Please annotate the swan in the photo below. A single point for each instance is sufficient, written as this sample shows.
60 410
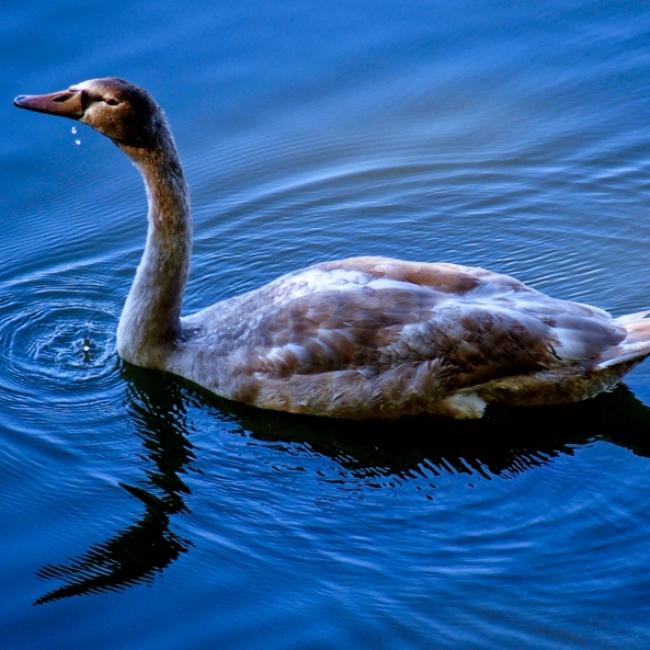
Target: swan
360 338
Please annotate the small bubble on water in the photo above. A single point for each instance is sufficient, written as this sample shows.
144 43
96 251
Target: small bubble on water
77 141
73 130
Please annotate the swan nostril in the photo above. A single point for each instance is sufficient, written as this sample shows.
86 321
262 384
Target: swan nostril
59 99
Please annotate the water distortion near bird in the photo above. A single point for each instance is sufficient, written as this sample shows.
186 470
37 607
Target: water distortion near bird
366 337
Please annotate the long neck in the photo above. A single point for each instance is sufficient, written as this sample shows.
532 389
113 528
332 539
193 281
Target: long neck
150 321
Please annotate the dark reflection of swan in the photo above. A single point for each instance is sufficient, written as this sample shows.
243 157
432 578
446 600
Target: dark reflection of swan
507 443
149 545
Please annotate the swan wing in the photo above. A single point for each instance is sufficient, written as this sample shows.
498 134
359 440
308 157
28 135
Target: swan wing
371 315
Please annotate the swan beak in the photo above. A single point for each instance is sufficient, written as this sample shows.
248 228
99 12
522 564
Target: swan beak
67 103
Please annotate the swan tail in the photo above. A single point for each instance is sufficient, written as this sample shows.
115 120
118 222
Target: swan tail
634 347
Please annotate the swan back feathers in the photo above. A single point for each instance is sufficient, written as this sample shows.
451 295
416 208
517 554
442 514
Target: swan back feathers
424 330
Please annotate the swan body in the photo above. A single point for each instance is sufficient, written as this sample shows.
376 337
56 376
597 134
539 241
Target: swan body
366 337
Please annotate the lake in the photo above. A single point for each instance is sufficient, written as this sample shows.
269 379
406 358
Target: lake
140 512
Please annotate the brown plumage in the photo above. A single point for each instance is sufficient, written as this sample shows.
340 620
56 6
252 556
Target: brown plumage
367 337
377 337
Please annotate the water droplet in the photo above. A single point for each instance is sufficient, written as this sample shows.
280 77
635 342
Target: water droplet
73 130
77 141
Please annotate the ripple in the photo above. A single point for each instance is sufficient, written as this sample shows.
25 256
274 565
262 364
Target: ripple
61 344
58 339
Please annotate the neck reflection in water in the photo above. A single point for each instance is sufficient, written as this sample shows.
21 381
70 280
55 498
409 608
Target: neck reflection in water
382 454
157 406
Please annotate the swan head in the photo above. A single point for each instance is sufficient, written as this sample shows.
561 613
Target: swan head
120 110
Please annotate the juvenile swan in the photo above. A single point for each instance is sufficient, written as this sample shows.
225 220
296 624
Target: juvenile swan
366 337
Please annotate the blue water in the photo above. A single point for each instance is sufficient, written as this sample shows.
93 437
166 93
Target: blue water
139 512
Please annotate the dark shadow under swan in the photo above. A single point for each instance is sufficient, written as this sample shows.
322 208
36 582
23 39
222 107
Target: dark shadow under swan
506 443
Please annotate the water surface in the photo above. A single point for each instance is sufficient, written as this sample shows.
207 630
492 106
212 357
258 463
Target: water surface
140 512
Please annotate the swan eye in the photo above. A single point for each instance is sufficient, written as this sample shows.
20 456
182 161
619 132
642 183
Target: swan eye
112 101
